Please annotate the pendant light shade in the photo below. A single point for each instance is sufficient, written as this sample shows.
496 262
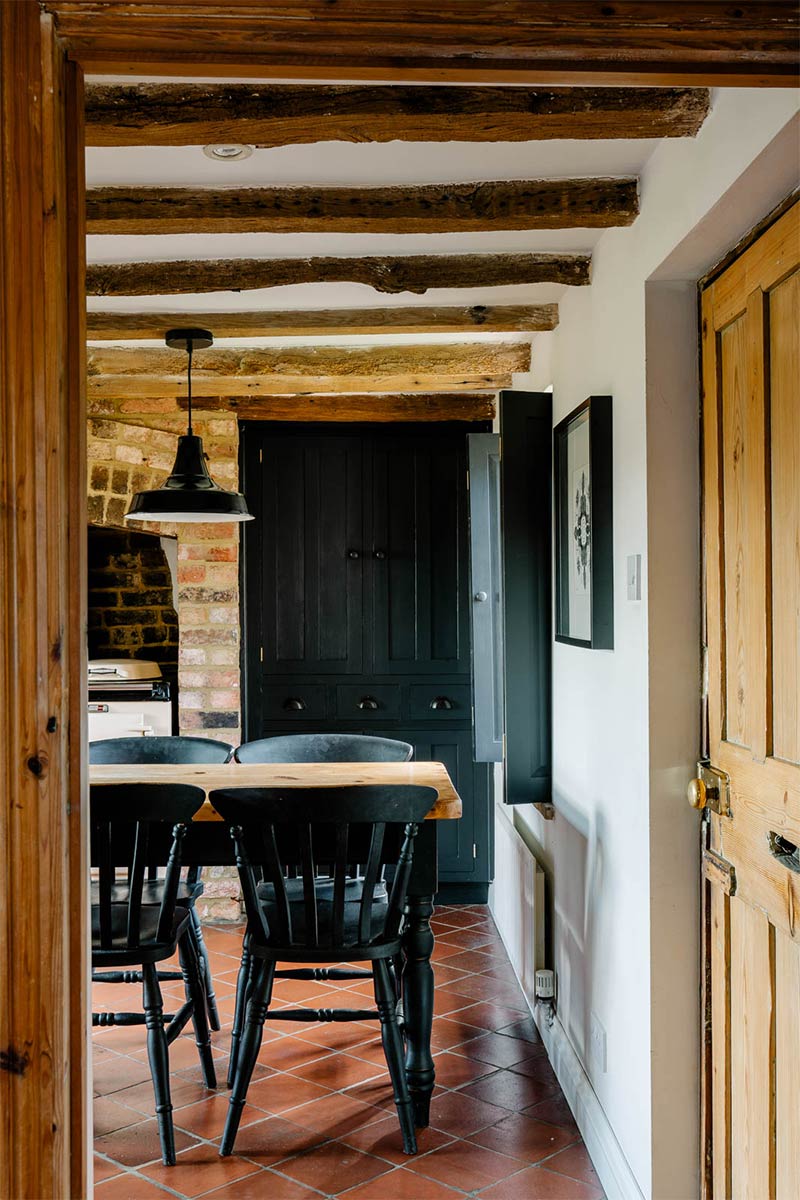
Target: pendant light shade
189 494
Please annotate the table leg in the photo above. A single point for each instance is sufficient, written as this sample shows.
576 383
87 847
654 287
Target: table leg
418 1003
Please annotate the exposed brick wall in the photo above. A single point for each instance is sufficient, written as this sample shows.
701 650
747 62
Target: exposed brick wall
135 451
131 613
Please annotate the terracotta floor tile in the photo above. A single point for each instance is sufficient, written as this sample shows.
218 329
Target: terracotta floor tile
266 1185
537 1067
466 939
526 1029
522 1137
336 1036
371 1052
336 1071
401 1184
498 1050
511 1090
104 1170
483 987
138 1144
199 1170
471 960
335 1161
442 951
537 1183
183 1053
384 1140
129 1187
109 1115
555 1111
453 1031
453 1070
279 1092
488 1016
461 1115
182 1092
270 1141
457 918
304 991
336 1115
124 1072
446 1001
574 1162
207 1119
444 974
466 1165
282 1054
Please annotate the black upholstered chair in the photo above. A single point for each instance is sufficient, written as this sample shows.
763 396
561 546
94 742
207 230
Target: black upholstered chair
272 828
133 826
323 747
170 750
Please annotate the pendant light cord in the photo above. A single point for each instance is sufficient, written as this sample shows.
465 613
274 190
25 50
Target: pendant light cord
189 347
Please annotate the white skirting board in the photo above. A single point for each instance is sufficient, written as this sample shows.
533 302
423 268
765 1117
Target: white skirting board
517 904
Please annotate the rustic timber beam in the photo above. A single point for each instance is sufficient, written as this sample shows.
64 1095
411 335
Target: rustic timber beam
307 370
447 406
431 208
413 273
486 318
174 114
709 43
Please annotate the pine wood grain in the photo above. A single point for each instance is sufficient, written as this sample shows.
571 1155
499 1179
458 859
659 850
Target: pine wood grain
170 114
372 407
430 208
415 273
482 318
291 775
787 1056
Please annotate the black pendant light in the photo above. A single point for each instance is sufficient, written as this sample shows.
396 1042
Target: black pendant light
189 494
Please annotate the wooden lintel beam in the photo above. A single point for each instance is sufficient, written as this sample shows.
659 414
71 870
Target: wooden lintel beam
110 387
175 114
422 406
413 273
486 318
430 208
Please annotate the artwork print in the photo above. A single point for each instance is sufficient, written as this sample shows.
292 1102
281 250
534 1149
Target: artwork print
580 529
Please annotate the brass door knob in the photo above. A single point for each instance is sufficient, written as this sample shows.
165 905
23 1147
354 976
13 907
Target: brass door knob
697 794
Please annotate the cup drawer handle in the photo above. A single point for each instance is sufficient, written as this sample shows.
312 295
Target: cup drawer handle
368 703
294 704
441 702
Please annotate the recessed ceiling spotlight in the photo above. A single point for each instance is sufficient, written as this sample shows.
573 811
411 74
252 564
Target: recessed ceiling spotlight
227 151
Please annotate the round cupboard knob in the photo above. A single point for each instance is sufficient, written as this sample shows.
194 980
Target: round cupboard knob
481 597
353 554
696 793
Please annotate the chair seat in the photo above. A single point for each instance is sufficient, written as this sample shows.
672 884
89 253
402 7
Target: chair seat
152 891
342 949
149 950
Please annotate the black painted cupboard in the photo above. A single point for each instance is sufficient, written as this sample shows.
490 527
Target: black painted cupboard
356 588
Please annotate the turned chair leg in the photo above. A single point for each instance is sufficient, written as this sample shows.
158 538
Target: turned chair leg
158 1056
386 1001
260 993
205 968
193 985
242 987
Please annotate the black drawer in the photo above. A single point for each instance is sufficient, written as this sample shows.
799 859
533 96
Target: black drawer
367 702
294 702
448 702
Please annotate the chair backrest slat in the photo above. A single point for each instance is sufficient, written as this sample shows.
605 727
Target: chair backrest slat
133 826
371 872
323 747
374 825
159 750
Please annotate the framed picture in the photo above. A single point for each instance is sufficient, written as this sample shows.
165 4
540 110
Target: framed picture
583 526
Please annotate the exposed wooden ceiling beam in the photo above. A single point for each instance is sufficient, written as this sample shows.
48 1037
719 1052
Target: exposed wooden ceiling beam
431 208
446 406
464 366
485 318
413 273
509 41
174 114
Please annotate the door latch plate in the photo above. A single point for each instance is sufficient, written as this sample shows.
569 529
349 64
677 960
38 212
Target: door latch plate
718 790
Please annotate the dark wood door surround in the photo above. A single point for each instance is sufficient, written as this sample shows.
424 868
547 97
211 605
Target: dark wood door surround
44 50
356 601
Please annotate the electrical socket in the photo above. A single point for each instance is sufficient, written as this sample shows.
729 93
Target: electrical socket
597 1042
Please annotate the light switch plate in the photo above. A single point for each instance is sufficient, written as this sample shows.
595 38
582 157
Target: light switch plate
634 576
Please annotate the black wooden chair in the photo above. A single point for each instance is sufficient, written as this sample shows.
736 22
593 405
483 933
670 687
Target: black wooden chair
170 750
134 826
308 748
323 747
272 828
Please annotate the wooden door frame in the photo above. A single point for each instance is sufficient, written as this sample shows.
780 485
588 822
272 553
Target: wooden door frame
44 50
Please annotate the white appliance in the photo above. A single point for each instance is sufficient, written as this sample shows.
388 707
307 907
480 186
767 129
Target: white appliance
128 698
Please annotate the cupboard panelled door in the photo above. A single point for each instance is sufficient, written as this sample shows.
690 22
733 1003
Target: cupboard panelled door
751 380
311 538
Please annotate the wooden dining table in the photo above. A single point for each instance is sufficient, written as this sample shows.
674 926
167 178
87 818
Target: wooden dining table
209 844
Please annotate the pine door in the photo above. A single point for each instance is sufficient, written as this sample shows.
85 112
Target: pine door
751 471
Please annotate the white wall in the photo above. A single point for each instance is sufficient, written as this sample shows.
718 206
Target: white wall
622 852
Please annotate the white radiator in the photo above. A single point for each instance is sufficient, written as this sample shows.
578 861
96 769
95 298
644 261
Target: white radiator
517 901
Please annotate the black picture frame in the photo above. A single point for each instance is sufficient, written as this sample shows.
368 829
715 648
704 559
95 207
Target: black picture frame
584 527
